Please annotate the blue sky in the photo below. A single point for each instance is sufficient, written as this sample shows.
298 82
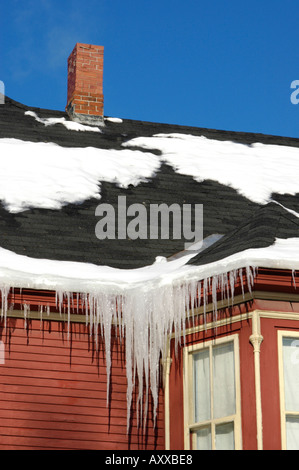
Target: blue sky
218 64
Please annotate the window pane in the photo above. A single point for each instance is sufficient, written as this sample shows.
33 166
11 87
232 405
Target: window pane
291 373
203 439
225 439
292 429
223 380
201 375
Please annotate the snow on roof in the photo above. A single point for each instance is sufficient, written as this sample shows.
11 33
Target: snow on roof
114 119
255 171
45 175
68 124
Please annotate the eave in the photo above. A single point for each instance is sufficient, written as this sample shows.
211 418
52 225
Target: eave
269 284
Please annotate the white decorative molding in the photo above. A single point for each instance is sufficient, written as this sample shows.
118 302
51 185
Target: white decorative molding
256 340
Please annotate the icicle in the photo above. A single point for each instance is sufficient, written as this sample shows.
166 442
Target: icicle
224 288
193 288
68 314
198 293
4 307
232 280
293 277
205 301
227 288
241 281
59 301
215 281
26 312
40 316
249 278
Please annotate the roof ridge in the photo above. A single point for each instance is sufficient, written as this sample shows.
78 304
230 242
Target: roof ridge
287 211
18 104
244 137
271 205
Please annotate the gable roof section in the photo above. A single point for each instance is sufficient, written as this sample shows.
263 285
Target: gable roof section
267 224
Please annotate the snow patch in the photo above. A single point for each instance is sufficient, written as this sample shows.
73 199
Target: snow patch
70 125
45 175
114 119
255 171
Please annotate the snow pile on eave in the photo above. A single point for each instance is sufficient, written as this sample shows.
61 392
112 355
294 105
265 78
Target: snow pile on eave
22 271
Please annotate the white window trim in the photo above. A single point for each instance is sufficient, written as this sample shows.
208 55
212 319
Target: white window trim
188 388
280 335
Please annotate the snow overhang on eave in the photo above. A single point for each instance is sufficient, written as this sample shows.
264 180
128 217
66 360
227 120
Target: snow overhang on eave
59 278
150 302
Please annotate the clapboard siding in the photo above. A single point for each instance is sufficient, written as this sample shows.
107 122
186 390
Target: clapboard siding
53 392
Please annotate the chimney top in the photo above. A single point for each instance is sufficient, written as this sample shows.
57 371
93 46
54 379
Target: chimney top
85 99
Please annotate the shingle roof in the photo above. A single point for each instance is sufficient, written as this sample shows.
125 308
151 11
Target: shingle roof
69 233
260 231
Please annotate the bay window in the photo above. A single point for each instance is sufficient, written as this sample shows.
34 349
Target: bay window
288 347
212 395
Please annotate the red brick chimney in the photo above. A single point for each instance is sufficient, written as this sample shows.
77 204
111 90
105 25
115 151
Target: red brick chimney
85 99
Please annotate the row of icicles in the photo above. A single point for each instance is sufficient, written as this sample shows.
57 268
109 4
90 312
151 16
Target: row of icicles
145 317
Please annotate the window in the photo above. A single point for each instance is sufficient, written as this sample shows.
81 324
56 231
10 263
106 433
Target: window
212 395
288 343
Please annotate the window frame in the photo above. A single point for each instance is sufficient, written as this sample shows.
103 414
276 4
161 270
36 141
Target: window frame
283 412
189 425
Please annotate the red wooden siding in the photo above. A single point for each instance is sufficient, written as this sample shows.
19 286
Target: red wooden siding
53 392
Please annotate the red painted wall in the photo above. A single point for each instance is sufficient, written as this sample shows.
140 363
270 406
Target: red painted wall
53 392
176 400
